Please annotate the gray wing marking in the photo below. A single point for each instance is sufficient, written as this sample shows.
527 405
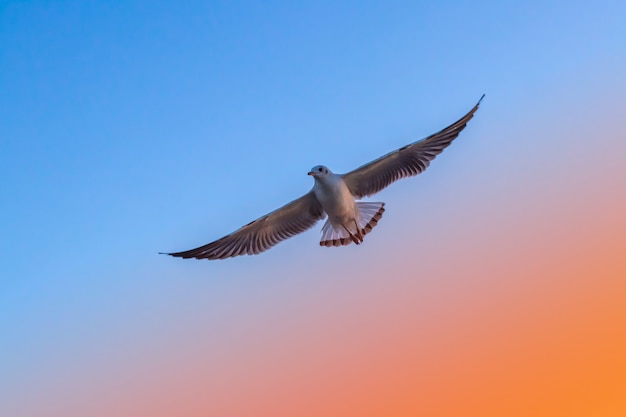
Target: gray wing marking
264 232
405 162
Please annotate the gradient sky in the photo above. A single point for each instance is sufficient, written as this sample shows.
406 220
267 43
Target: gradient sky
495 284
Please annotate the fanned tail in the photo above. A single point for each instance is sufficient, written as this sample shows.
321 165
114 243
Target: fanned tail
369 215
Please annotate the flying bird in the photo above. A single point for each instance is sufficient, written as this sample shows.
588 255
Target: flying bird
334 195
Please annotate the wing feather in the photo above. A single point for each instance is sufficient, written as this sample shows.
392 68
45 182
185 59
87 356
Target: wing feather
407 161
263 233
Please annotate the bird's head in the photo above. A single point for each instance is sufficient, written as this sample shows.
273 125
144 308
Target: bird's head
319 172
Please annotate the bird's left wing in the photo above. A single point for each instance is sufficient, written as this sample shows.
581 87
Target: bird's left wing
405 162
263 233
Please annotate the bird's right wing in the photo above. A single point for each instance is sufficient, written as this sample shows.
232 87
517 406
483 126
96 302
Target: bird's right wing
263 233
405 162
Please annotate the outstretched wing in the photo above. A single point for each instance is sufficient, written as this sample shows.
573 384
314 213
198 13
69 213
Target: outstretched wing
263 233
405 162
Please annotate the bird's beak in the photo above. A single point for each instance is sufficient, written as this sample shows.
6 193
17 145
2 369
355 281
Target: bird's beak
311 173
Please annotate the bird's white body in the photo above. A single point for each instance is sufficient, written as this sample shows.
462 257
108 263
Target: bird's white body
336 200
348 220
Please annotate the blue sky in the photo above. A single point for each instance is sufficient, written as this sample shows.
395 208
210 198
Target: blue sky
133 127
118 118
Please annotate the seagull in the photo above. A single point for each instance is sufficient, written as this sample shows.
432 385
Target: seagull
334 195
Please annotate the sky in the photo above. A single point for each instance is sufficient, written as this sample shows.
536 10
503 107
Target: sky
493 285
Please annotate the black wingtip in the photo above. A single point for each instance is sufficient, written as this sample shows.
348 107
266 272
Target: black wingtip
481 99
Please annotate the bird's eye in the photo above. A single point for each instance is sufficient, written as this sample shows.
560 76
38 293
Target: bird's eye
320 169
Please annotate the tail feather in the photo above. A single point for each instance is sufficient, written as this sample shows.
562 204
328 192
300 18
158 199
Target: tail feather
369 215
334 237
